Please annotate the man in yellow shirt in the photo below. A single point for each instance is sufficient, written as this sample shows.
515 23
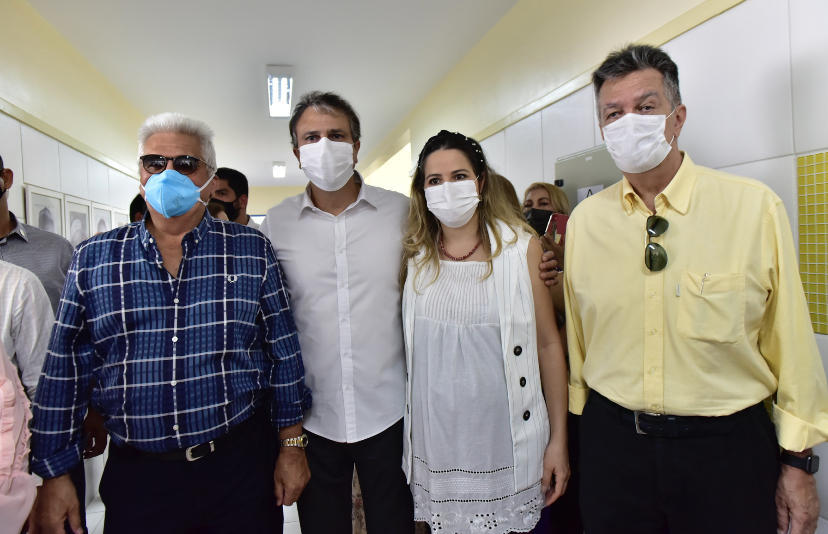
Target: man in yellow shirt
685 312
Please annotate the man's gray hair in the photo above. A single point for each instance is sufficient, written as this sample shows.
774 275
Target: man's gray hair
330 103
180 124
633 58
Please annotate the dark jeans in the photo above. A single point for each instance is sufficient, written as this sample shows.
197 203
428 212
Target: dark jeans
325 505
640 484
228 491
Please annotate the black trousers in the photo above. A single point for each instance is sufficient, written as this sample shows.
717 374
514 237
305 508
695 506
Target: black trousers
640 484
325 505
228 491
565 513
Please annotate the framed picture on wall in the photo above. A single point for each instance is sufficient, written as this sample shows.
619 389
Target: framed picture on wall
119 217
44 209
101 218
78 219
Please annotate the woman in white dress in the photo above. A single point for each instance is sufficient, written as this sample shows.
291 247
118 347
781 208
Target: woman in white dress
485 423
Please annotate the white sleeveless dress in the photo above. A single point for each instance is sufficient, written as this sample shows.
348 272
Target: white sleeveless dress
462 475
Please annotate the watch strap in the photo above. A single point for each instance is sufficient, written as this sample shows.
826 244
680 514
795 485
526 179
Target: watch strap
300 441
809 464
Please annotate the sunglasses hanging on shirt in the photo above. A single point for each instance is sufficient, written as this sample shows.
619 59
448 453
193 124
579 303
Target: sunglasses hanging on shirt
655 257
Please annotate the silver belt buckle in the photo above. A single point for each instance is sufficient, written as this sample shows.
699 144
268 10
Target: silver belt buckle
190 458
637 413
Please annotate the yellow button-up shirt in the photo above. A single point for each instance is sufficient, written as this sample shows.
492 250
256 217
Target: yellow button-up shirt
660 341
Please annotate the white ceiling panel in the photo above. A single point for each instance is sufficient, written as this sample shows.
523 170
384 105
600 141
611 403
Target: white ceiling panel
207 59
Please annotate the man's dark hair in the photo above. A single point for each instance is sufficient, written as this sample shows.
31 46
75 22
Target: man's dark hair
330 103
235 180
1 163
138 205
633 58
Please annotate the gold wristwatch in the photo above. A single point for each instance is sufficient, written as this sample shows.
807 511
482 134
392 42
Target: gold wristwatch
301 442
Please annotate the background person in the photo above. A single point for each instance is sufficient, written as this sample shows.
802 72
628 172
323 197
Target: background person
232 192
481 350
137 208
685 311
565 512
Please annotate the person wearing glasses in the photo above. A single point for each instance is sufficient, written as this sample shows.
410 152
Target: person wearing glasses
182 324
685 312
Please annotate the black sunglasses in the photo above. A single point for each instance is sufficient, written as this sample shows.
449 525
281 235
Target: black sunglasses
186 165
655 257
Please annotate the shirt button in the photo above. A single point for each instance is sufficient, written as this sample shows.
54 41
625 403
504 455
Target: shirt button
652 370
174 382
151 240
653 331
196 240
175 339
652 295
175 300
526 415
522 382
175 427
518 351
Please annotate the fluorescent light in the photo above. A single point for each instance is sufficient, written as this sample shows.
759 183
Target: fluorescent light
279 90
279 169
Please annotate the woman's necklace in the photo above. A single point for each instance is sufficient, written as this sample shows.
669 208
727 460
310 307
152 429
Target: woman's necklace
461 258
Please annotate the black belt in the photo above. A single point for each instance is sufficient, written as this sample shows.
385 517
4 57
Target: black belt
196 452
677 426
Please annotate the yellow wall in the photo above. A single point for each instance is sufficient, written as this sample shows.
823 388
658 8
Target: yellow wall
262 198
539 52
46 83
394 174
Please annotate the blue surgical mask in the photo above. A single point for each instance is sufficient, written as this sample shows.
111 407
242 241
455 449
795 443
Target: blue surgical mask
172 194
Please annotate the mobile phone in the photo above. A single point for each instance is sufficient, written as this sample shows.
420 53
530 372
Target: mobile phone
557 228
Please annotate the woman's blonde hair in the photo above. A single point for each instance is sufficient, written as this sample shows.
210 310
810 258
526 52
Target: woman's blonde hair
495 206
558 199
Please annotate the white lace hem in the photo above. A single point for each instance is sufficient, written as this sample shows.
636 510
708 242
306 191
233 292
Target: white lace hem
514 513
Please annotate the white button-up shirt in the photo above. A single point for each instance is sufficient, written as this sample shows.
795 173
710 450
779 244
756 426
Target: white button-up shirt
342 274
26 320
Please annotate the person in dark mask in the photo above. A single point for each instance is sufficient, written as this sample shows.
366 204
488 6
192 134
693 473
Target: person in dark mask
231 192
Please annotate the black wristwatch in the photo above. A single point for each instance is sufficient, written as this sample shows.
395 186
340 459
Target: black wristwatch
809 464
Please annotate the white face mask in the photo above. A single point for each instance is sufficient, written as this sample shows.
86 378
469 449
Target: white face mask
637 143
327 164
453 203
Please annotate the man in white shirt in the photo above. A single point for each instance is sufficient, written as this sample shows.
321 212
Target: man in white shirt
232 193
340 246
26 321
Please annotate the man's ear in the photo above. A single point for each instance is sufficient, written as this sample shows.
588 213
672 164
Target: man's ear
356 151
296 153
679 118
243 202
8 178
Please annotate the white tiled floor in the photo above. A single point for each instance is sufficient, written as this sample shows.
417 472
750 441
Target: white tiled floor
96 510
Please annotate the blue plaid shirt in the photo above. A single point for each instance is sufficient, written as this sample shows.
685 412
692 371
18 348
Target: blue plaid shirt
176 361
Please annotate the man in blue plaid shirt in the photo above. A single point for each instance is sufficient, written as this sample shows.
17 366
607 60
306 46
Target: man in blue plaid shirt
182 326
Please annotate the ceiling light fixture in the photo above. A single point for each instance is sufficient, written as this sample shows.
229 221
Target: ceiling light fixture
279 90
279 169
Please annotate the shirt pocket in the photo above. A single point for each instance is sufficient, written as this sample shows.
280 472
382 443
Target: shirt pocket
715 312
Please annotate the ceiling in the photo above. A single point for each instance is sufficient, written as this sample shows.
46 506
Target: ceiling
207 59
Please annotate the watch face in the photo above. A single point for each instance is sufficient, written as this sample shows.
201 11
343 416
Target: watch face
304 440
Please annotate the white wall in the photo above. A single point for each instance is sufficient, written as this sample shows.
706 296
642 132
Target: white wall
37 159
754 82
